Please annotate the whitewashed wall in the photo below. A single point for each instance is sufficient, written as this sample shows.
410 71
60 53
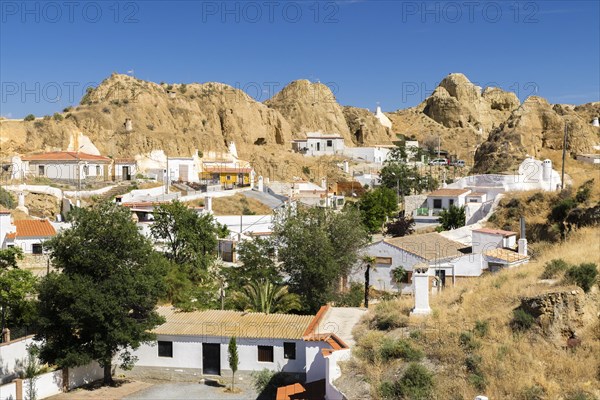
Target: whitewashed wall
8 391
316 367
13 352
333 372
46 385
187 353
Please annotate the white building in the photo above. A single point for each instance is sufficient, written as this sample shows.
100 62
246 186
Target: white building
375 154
195 343
444 198
498 247
124 169
383 119
184 169
447 259
66 166
314 195
28 235
319 144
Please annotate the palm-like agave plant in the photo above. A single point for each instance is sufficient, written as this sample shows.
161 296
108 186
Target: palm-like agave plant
263 296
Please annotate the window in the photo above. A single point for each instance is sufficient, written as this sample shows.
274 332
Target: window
451 202
165 349
86 170
289 350
330 143
41 170
437 203
228 177
473 200
265 353
36 248
383 260
97 170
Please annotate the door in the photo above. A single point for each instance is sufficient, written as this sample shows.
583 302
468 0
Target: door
211 359
125 175
441 273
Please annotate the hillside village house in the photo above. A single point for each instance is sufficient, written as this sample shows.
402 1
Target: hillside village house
124 169
314 195
28 235
449 259
319 144
498 248
442 199
228 175
195 343
66 166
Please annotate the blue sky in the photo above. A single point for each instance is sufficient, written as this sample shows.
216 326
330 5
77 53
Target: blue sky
392 52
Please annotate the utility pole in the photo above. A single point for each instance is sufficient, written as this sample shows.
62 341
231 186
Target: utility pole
564 154
167 180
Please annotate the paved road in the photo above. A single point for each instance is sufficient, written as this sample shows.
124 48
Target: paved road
196 391
265 198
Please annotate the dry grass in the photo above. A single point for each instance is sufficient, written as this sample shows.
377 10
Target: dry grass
239 204
510 363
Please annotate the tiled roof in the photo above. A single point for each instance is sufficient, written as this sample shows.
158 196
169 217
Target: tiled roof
495 232
296 391
505 255
4 210
477 194
429 246
34 228
448 192
125 161
233 323
11 235
65 156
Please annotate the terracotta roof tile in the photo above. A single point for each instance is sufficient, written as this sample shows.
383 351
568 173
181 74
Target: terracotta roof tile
34 228
495 232
232 323
65 156
506 255
448 192
11 235
428 246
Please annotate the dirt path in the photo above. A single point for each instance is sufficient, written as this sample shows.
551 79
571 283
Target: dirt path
103 393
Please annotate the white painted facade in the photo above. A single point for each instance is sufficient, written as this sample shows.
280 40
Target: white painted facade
184 169
319 144
57 170
376 154
437 202
483 241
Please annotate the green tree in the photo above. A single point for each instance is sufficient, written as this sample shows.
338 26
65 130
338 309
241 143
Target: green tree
266 297
398 275
317 247
376 206
583 275
452 218
258 262
368 262
103 301
29 117
17 290
189 238
7 199
401 225
10 257
233 359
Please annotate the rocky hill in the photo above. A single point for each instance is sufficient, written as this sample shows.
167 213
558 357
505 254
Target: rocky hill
488 126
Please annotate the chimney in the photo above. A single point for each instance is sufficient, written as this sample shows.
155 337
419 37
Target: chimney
595 122
324 183
208 204
128 124
523 240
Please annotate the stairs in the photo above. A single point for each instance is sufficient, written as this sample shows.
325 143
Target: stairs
119 189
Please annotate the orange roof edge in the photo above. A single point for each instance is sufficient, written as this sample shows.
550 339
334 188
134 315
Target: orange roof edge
316 320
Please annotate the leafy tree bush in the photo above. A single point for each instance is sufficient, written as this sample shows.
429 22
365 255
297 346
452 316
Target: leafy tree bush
234 361
554 267
351 298
468 342
103 302
401 225
7 199
58 117
415 384
452 218
583 275
376 206
533 392
29 117
585 191
266 297
481 328
394 349
522 320
388 316
561 210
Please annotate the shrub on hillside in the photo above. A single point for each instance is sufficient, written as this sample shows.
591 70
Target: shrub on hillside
416 384
388 316
522 320
533 392
353 297
468 342
559 212
394 349
554 267
6 198
369 346
584 192
58 117
29 117
583 275
481 328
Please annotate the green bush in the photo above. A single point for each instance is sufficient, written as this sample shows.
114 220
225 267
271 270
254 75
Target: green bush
583 275
468 342
415 384
369 345
478 381
353 297
266 382
481 328
533 392
58 117
522 320
559 212
394 349
6 198
388 316
579 395
553 268
29 117
584 192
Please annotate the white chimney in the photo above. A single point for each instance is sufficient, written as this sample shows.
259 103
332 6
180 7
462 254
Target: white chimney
324 183
128 125
420 280
522 241
21 203
346 166
595 122
261 185
208 204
